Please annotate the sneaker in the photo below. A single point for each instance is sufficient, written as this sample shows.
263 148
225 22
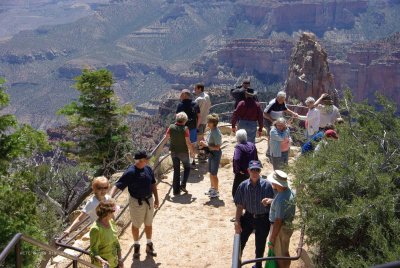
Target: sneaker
183 189
209 191
150 250
214 193
136 252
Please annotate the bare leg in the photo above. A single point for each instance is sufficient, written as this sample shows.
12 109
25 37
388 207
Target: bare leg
148 231
214 181
135 233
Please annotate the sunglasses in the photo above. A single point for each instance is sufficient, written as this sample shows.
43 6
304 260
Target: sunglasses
256 170
102 188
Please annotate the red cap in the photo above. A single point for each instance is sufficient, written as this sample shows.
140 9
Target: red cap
330 133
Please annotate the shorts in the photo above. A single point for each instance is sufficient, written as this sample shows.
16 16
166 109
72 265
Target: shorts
202 129
141 213
282 241
193 135
214 159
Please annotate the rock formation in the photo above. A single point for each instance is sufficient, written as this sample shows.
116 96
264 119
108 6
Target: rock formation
309 73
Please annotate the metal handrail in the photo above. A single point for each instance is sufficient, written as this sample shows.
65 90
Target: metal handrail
15 244
261 102
236 259
155 153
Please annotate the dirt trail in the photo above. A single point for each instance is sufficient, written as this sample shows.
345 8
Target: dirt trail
193 231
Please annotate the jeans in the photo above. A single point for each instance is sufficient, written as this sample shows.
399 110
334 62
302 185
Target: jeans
280 162
261 227
250 127
177 158
214 159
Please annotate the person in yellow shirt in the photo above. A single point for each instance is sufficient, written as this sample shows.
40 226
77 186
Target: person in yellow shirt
105 249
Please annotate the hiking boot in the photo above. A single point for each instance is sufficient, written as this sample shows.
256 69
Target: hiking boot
136 252
150 250
183 189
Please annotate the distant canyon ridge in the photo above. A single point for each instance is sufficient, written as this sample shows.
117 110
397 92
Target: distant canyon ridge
156 46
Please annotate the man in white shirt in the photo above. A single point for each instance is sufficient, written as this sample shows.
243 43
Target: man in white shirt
204 103
329 113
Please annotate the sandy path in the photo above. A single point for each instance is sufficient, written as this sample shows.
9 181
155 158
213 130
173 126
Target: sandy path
193 231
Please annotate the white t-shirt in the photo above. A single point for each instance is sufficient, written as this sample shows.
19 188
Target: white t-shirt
313 118
328 115
204 103
91 205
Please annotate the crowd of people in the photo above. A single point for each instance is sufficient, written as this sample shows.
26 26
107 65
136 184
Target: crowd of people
264 206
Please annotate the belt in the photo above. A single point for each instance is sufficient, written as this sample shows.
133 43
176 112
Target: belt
256 216
141 199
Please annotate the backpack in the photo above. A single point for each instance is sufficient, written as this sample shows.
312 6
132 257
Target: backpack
192 116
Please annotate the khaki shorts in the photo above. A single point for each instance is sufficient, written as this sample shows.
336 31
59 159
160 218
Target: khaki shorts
141 214
281 247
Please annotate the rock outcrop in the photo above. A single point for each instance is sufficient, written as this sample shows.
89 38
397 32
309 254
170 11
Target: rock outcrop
309 73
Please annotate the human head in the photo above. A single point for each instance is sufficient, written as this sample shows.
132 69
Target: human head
181 118
198 88
100 186
254 170
241 136
310 102
105 208
330 133
212 120
281 97
279 180
141 159
329 126
246 83
185 94
280 123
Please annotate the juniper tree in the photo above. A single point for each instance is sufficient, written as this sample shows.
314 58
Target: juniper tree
18 203
349 191
98 122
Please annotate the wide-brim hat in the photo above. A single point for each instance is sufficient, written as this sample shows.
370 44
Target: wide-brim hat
185 91
278 177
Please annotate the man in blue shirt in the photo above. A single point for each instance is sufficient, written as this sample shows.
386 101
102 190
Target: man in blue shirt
253 195
281 216
141 184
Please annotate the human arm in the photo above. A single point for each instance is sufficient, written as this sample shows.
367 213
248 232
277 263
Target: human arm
238 214
291 112
317 102
260 119
76 222
114 191
276 227
190 146
236 161
155 193
236 114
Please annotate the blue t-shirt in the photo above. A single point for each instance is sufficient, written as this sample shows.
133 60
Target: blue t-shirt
283 207
214 137
138 181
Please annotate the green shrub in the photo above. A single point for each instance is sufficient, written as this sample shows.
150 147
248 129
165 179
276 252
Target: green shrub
349 191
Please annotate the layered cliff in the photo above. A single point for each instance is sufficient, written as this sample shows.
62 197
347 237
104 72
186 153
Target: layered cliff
370 67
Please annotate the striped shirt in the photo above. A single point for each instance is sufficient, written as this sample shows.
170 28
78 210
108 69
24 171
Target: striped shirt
249 196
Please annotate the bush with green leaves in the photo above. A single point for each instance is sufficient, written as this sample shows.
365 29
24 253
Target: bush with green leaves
98 123
19 212
349 191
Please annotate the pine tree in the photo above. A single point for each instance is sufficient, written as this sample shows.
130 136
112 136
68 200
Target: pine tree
98 123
